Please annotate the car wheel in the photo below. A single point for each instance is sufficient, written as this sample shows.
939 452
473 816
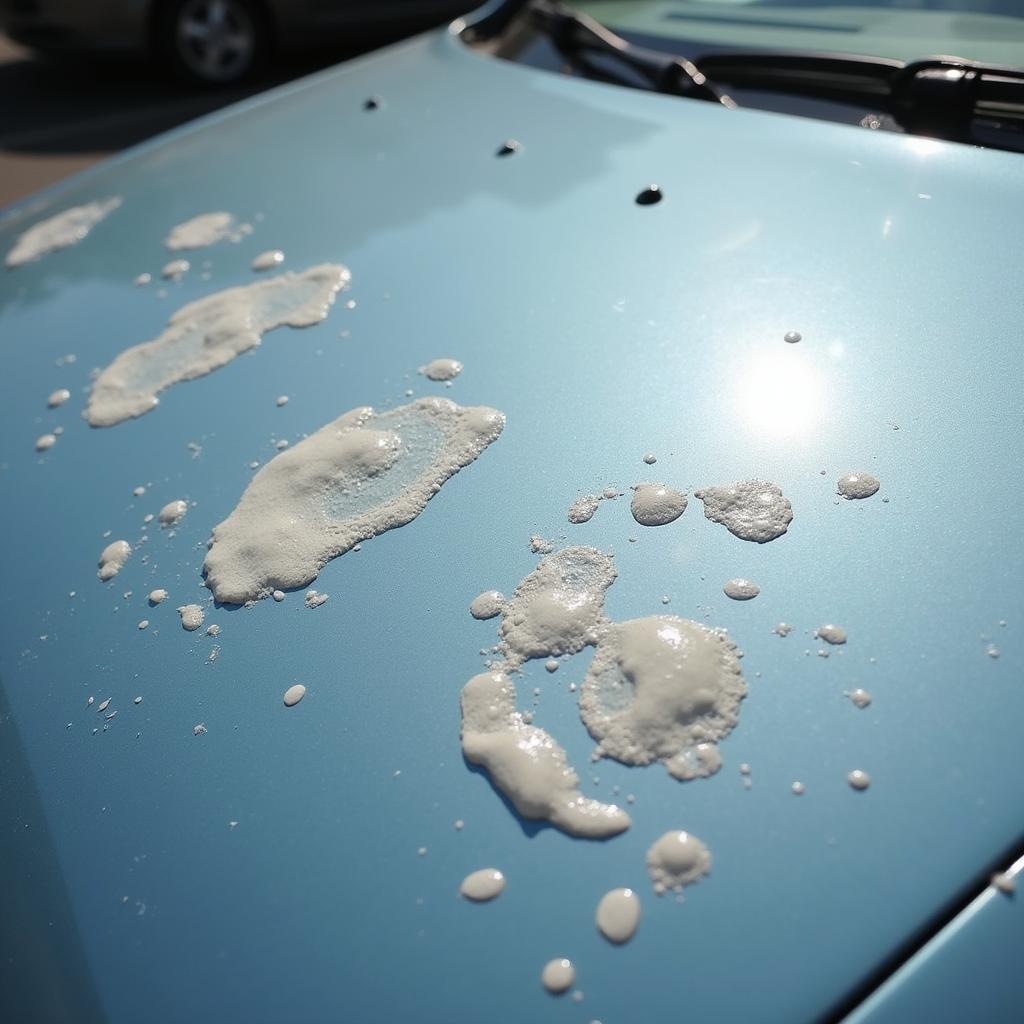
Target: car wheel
213 42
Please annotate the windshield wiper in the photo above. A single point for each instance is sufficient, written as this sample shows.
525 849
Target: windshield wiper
575 35
938 96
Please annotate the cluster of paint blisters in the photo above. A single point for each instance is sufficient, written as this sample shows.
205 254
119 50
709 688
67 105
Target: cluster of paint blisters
659 689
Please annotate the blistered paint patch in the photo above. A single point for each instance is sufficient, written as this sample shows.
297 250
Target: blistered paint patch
857 485
526 764
752 510
293 695
58 232
582 509
175 269
558 975
200 231
172 513
656 504
314 599
677 859
618 915
157 596
663 689
112 559
558 608
783 629
268 260
207 334
831 634
487 604
362 474
191 616
740 589
485 884
441 369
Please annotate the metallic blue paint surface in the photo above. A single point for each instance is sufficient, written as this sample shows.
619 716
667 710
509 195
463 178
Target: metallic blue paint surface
604 330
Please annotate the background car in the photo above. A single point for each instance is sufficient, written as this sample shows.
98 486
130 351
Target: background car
211 42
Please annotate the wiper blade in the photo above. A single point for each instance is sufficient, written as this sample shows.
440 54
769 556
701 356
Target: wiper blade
938 96
576 34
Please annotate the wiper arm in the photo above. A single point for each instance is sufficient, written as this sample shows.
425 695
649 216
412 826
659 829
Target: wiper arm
575 34
938 96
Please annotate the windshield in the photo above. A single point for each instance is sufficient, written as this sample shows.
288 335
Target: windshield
986 31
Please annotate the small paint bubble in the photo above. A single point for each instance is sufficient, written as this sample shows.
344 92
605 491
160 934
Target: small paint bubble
792 337
858 779
1004 882
507 148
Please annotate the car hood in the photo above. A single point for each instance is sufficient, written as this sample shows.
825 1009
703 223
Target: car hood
304 864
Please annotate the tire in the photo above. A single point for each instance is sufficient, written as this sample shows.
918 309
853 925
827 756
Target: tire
213 43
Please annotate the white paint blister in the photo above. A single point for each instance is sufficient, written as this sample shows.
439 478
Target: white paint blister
293 695
752 510
191 616
487 604
857 485
172 513
558 976
112 559
657 504
268 260
200 231
526 764
677 859
558 608
663 689
741 589
207 334
58 232
483 885
362 474
441 369
618 915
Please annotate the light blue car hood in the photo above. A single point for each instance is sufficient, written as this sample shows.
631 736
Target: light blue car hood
268 870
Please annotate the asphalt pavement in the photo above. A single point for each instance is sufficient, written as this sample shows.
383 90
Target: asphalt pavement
58 117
